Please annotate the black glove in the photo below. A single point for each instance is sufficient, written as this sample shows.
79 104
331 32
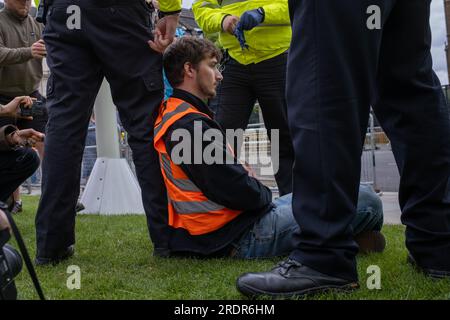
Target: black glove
239 34
251 19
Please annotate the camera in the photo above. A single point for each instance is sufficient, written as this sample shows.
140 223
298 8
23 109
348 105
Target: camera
10 266
37 109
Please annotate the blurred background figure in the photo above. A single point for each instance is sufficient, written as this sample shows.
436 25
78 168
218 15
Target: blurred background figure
21 53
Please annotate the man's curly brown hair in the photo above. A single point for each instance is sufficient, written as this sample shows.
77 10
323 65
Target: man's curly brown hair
183 50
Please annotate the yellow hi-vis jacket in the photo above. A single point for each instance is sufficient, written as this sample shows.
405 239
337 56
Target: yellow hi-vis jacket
169 5
267 40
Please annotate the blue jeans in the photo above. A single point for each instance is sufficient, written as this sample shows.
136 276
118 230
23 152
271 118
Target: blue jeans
272 235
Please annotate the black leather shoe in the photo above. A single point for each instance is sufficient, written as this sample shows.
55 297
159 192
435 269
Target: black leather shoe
63 255
290 279
432 273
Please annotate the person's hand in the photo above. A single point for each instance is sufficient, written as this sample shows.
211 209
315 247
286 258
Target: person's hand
229 24
25 138
155 4
12 109
250 19
249 170
38 50
164 33
4 223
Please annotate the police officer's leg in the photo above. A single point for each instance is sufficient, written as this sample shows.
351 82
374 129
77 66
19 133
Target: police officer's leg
72 88
331 73
235 99
270 88
134 71
412 110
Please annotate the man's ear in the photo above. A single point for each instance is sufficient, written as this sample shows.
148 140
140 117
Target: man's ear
189 70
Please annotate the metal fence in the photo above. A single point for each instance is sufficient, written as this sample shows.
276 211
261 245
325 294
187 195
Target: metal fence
255 153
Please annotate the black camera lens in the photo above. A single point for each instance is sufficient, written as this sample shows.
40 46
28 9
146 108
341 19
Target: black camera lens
13 259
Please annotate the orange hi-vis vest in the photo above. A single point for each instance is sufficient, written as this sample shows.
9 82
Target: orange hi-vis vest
189 208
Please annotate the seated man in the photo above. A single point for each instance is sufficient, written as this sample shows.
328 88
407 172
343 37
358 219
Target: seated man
217 209
17 162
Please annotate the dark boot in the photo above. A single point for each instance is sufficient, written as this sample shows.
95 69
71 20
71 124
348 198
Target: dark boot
290 279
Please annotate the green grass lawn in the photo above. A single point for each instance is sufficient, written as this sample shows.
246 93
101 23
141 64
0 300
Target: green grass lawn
115 258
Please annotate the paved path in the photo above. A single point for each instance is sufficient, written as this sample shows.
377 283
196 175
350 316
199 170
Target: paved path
391 208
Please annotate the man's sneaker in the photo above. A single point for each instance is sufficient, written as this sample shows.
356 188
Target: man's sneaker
432 273
61 256
16 207
370 241
290 279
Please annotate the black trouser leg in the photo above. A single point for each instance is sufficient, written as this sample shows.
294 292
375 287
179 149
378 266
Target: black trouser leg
15 167
137 90
237 94
235 98
412 110
331 75
75 79
270 87
112 42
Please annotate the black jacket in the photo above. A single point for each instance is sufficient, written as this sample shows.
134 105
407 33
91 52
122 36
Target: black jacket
226 184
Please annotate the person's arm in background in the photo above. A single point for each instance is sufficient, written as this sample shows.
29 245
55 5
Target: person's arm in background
9 56
11 137
166 26
227 184
12 109
276 12
4 133
210 16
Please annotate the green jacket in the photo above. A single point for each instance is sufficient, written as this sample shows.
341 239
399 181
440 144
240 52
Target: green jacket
265 41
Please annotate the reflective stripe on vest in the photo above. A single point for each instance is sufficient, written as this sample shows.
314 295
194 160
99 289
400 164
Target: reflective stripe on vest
183 184
191 207
181 108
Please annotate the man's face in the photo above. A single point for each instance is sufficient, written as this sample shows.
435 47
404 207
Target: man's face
208 77
20 8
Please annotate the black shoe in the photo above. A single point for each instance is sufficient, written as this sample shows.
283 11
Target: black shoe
290 279
64 255
370 241
432 273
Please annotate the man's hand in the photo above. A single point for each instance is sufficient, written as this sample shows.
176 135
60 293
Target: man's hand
4 223
229 24
164 33
25 138
38 50
12 109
